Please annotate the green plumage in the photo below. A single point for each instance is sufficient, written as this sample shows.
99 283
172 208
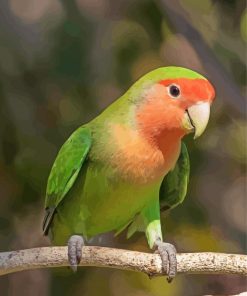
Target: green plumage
172 192
88 196
86 199
174 186
66 169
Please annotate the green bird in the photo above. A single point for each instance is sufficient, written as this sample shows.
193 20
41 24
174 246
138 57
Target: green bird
120 169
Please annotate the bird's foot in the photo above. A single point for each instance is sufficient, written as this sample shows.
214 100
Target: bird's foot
75 245
167 253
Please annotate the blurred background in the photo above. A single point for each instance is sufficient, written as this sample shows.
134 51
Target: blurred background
61 63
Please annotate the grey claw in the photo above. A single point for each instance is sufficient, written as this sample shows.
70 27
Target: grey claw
75 245
168 256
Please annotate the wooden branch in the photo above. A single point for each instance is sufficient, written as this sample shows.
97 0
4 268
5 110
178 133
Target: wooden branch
207 263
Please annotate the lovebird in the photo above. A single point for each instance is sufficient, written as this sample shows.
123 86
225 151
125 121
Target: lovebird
129 163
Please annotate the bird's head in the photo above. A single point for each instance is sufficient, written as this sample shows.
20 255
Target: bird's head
174 99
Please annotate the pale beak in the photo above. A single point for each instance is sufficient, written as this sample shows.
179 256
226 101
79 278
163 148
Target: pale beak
196 118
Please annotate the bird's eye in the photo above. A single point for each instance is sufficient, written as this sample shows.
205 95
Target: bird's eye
174 90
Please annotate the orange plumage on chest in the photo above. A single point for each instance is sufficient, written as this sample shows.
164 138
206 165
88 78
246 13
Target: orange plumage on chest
140 160
149 149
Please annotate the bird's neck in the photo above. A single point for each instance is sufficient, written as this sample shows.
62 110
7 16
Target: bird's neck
139 158
168 141
159 127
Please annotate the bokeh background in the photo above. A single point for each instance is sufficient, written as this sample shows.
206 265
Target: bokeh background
61 63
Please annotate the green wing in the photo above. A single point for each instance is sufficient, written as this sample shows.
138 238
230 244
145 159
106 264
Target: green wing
174 186
65 171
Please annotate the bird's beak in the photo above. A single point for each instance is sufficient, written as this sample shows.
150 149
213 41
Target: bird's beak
196 118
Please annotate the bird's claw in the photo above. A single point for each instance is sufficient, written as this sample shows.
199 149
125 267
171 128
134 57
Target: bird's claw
75 245
167 253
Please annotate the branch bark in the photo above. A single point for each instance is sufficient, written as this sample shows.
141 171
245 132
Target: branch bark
200 263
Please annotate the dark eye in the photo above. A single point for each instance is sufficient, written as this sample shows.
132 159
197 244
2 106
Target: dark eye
174 90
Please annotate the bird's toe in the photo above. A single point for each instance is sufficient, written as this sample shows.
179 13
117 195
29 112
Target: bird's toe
168 256
75 245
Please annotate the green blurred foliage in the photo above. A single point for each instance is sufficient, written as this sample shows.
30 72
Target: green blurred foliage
61 63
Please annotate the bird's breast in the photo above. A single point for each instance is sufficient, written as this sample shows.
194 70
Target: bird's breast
137 160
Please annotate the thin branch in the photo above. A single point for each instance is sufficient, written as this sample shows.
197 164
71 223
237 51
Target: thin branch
207 263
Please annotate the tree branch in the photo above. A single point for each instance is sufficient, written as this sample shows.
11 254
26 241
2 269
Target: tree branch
207 263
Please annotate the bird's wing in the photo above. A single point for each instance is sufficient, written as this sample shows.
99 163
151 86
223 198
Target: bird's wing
65 170
174 186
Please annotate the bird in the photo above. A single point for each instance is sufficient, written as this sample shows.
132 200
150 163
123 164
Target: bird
122 168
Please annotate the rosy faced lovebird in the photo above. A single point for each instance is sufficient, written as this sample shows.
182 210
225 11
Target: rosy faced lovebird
122 168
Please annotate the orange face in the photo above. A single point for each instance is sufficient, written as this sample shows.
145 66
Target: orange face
176 105
190 91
